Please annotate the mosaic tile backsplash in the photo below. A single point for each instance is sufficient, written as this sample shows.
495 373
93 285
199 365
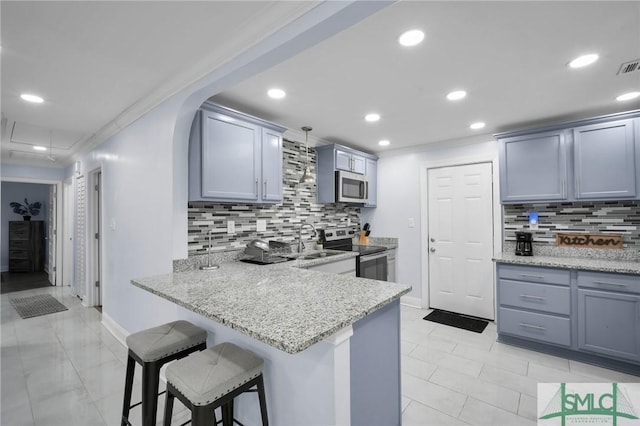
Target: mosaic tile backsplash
298 207
613 217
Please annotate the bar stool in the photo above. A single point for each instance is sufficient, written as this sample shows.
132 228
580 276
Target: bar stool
212 378
152 348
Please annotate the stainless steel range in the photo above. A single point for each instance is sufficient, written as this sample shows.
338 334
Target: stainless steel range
371 261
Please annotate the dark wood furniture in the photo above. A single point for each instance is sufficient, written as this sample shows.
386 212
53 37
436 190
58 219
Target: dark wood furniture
26 246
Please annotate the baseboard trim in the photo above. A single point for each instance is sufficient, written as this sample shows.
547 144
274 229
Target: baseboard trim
115 329
414 302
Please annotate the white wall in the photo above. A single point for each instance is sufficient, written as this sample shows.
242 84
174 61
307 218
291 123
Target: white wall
17 191
399 198
17 172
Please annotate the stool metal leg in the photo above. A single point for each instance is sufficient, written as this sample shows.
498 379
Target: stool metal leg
227 414
128 387
168 407
201 416
150 382
263 401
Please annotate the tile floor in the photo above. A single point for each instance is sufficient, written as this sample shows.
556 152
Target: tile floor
66 369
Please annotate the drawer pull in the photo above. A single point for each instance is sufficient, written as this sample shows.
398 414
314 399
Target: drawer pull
539 277
529 296
609 283
535 327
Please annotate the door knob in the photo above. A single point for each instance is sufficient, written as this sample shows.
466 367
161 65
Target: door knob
433 240
432 249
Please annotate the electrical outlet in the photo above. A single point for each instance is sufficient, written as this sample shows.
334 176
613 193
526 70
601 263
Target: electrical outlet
231 227
261 225
412 223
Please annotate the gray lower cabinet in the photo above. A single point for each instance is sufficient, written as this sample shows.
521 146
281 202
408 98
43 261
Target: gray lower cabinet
609 314
342 267
391 265
535 303
234 157
595 315
605 160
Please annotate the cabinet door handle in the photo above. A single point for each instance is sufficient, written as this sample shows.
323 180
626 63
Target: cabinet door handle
609 283
564 188
578 188
539 277
265 188
530 296
256 187
535 327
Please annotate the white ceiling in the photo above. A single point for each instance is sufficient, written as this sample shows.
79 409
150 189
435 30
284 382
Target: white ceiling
509 56
95 61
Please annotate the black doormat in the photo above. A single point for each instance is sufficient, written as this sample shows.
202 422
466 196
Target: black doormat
452 319
34 306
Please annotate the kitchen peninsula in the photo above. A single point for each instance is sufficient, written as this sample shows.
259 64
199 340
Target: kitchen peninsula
331 343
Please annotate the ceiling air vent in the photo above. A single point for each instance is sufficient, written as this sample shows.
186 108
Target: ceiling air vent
630 66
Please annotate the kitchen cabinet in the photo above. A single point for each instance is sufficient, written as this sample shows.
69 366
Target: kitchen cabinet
26 246
609 314
332 158
234 157
533 167
594 159
391 265
534 303
350 162
342 267
605 160
592 316
372 178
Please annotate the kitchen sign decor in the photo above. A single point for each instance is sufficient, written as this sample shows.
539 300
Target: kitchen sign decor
610 241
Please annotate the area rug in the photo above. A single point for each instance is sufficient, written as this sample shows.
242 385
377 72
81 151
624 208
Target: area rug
453 319
34 306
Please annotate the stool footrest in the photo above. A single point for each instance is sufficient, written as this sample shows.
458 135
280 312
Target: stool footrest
138 403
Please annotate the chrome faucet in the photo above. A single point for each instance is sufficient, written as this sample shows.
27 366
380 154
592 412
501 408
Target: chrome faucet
302 225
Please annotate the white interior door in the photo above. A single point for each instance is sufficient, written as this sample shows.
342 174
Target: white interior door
79 283
52 233
460 208
67 234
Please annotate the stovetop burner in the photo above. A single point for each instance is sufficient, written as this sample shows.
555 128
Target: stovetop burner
342 239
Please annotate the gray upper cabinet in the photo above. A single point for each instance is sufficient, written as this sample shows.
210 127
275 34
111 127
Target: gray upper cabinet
333 158
234 157
350 162
533 167
594 159
372 178
605 160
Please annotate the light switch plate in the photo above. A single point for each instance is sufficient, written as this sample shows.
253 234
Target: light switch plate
261 225
231 227
412 223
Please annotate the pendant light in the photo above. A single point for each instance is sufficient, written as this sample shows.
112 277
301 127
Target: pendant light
307 177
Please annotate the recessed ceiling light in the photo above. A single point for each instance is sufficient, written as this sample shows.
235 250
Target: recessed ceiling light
477 125
276 93
628 96
32 98
39 148
583 61
384 142
411 38
372 117
456 95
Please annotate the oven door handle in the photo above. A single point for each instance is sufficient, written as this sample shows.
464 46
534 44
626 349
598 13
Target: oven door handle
374 256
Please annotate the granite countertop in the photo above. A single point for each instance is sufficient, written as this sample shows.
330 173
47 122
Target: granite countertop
283 305
587 264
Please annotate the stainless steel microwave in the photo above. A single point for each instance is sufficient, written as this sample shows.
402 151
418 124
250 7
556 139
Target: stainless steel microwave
351 188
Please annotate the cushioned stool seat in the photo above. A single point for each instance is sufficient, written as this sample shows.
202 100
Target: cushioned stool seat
209 379
152 348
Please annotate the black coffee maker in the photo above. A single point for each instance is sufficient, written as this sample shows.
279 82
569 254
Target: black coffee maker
523 244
